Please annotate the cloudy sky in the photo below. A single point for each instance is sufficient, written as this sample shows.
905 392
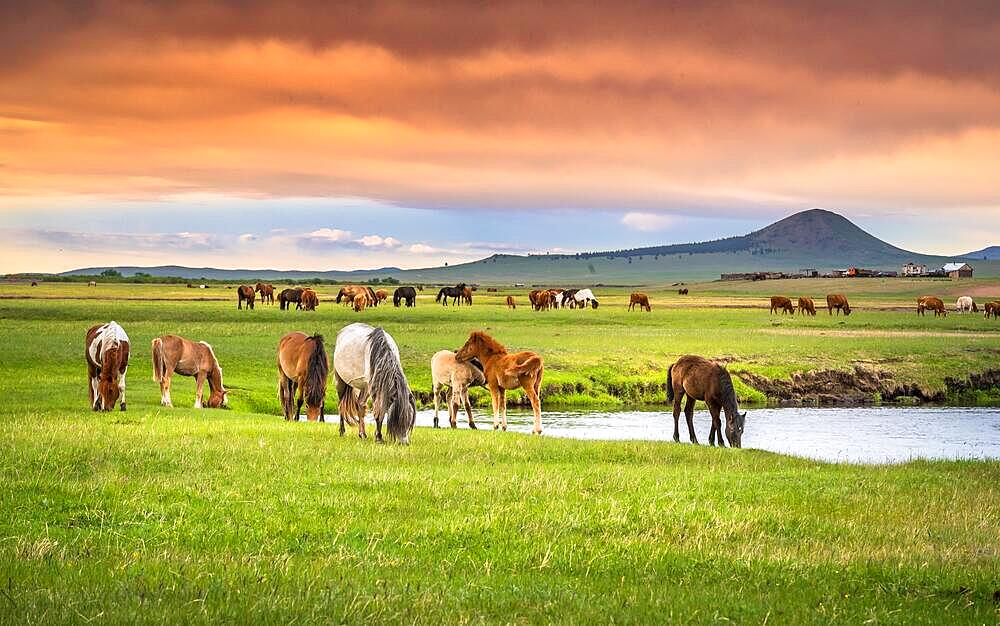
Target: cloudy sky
340 135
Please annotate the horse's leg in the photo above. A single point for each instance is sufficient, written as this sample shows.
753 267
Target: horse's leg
298 401
503 408
121 386
495 399
92 387
199 388
468 409
435 389
165 388
454 402
689 414
677 416
536 407
713 409
378 427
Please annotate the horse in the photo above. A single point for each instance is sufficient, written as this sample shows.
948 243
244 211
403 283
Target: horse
991 309
245 293
92 283
407 294
106 351
308 300
505 371
288 296
582 297
266 292
925 303
176 355
682 292
839 302
491 290
303 367
783 304
366 363
381 295
466 296
806 305
456 292
446 371
360 302
701 379
569 298
966 304
349 292
640 299
538 299
511 303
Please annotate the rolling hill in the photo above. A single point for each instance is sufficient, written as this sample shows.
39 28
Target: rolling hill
809 239
991 253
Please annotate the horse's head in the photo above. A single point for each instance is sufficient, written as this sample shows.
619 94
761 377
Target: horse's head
734 429
593 303
219 399
108 391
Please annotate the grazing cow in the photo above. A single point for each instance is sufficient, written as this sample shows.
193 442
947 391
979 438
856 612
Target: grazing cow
106 351
92 283
491 290
407 294
966 304
539 299
701 379
245 293
511 303
583 297
640 299
447 372
839 302
308 301
806 305
288 296
783 304
173 354
931 303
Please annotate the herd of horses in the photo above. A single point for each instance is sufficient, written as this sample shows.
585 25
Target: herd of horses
834 302
838 302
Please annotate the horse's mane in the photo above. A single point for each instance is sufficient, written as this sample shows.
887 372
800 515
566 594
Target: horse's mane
726 390
316 373
389 390
216 369
489 343
110 360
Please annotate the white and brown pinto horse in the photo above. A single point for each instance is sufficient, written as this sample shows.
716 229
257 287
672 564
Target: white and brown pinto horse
366 363
176 355
107 350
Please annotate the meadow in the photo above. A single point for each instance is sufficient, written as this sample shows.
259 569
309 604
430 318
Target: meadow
185 516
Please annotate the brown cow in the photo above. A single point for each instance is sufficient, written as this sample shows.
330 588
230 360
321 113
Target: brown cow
783 304
641 299
839 302
931 303
511 303
806 305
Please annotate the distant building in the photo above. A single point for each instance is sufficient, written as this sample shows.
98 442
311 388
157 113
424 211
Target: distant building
810 272
914 269
957 270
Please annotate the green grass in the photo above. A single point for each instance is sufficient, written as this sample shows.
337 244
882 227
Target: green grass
184 516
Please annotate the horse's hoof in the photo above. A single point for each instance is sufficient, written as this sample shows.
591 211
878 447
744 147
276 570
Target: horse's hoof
495 426
472 426
504 428
536 432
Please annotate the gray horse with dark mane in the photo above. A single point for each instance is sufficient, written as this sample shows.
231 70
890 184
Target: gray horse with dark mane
366 364
701 379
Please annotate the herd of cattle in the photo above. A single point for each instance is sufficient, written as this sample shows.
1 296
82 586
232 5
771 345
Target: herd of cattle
965 304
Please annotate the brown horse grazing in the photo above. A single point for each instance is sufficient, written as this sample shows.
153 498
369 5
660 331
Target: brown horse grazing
266 292
806 305
381 295
308 300
505 371
701 379
991 309
302 365
348 293
177 355
641 299
245 293
360 302
288 296
930 303
511 303
783 304
106 350
538 299
839 302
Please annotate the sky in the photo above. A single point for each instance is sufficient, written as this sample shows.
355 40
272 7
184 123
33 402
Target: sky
345 135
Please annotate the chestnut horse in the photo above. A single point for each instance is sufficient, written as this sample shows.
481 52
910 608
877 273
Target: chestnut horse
931 303
641 299
839 302
176 355
991 309
701 379
247 294
308 300
806 305
106 350
511 303
381 295
505 371
302 366
783 304
266 293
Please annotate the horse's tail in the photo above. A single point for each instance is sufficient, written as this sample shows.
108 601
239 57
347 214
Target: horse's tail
340 295
316 374
528 366
438 298
350 405
159 366
395 298
391 395
670 383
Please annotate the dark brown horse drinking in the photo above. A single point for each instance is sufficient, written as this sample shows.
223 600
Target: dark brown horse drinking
701 379
106 350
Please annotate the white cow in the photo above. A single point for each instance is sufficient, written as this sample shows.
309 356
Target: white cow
965 304
585 297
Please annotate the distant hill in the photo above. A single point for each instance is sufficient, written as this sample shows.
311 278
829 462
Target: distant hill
991 253
815 238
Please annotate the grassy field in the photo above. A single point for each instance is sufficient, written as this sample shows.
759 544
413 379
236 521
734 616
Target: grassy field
184 516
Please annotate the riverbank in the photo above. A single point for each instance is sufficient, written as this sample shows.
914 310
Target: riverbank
193 517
